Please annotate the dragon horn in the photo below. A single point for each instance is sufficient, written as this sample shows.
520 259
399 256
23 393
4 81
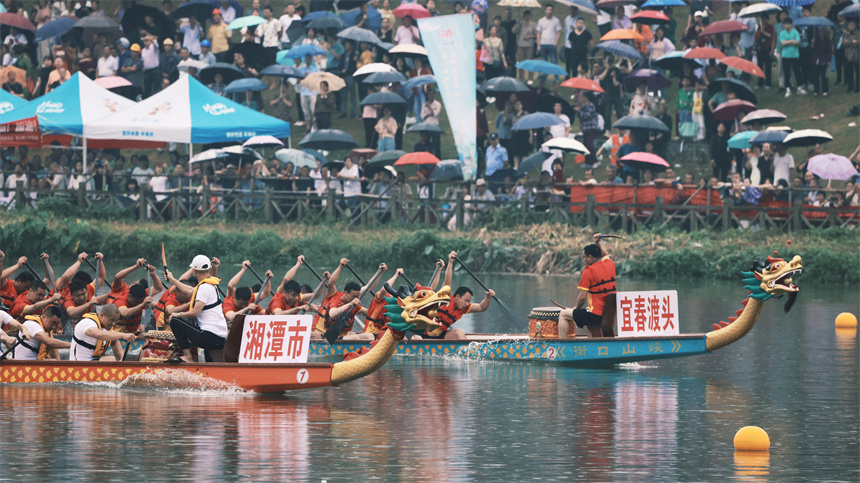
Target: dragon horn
389 289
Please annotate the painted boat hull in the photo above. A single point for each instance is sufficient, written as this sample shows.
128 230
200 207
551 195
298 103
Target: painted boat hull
262 378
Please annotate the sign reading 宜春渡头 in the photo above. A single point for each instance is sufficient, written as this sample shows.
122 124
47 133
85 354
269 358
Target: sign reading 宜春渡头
646 314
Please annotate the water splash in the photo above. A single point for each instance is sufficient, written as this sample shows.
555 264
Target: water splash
179 380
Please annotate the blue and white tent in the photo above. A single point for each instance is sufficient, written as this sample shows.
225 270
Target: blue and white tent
188 112
9 102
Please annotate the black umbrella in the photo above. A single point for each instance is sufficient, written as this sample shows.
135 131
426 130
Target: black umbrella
87 28
649 123
200 9
505 84
295 31
328 139
333 167
349 4
255 55
385 158
278 70
229 71
534 161
134 19
741 90
383 98
385 78
546 103
324 23
448 169
425 127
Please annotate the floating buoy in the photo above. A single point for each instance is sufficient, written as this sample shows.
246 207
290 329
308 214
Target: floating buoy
752 438
846 320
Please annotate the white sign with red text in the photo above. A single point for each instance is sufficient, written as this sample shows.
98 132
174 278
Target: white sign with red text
646 314
276 338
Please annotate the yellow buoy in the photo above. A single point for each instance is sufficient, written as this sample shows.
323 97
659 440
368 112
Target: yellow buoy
752 438
846 320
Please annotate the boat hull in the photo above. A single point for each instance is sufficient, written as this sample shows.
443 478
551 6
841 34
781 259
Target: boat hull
263 378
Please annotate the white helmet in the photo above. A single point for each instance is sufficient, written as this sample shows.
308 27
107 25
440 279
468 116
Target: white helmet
201 262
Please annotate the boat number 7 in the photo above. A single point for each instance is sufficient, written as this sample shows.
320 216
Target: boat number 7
302 376
550 353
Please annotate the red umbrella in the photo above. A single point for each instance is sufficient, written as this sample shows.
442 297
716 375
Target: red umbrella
17 21
743 65
704 53
724 27
650 16
728 111
413 10
582 83
643 161
416 158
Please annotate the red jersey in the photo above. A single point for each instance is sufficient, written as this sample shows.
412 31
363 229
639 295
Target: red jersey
446 316
8 293
376 318
19 304
129 323
159 311
229 305
67 301
322 321
279 303
599 280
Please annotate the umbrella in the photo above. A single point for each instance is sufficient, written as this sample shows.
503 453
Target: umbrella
616 47
374 18
807 137
449 168
651 78
813 22
519 3
741 140
297 157
650 123
546 103
724 27
743 65
613 4
318 14
312 81
374 67
240 10
255 54
566 144
763 116
728 111
229 71
385 78
408 49
327 23
17 21
791 3
413 10
537 120
359 34
582 83
622 34
262 141
385 158
704 53
55 28
425 127
759 9
644 161
246 84
328 139
299 51
200 9
416 158
533 161
278 70
541 67
112 81
675 61
421 80
831 166
241 154
134 19
852 11
505 84
650 17
771 136
741 90
187 64
663 3
583 5
247 21
383 98
318 155
88 27
208 155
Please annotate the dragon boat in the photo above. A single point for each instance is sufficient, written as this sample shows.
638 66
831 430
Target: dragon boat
256 377
767 279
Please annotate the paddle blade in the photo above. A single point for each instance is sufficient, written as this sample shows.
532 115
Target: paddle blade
335 329
511 315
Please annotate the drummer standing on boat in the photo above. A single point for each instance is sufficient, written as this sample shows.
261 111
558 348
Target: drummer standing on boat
210 331
595 285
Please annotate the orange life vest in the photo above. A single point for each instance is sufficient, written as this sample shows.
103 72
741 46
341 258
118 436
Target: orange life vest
43 349
101 346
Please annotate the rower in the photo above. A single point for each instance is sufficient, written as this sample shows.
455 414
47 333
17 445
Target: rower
595 285
78 288
172 301
93 335
33 301
10 288
242 300
42 344
132 300
376 318
289 297
7 322
460 305
210 331
348 299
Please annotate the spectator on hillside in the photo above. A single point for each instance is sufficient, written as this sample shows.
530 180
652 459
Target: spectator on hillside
851 43
323 107
219 36
191 35
205 54
589 123
526 35
168 61
107 65
407 33
308 97
621 20
790 40
579 44
783 164
386 128
548 31
496 156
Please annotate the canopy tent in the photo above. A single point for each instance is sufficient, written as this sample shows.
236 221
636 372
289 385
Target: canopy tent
188 112
9 102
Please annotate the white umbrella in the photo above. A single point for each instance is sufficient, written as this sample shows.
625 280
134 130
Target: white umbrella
372 68
208 155
262 141
807 137
758 10
566 144
413 49
187 64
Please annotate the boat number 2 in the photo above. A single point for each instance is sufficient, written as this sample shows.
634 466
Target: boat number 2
302 376
550 353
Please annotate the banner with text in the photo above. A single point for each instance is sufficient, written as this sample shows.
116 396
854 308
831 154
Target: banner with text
23 132
647 314
276 338
450 44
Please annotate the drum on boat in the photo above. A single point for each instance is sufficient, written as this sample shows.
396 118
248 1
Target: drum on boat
159 346
543 323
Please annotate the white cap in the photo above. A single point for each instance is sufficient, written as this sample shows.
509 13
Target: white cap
201 262
481 182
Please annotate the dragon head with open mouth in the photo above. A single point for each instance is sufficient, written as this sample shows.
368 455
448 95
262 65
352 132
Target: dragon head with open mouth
773 278
415 310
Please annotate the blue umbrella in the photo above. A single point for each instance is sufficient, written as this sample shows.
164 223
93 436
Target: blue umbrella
317 155
616 47
249 21
813 22
541 67
663 3
791 3
383 98
385 78
537 120
421 80
374 18
359 34
246 84
448 169
505 84
327 23
279 70
741 140
852 11
315 15
769 136
299 51
55 28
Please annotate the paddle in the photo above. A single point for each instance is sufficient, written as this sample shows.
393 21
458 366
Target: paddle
48 273
611 236
6 354
408 281
312 270
255 274
257 298
505 309
27 264
435 272
339 324
96 277
164 262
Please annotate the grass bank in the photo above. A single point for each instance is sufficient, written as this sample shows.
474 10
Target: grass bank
831 256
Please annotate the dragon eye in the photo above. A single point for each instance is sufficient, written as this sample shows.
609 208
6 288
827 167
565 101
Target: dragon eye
421 295
776 266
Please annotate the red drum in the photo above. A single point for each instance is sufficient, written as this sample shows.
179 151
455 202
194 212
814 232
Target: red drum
159 346
543 323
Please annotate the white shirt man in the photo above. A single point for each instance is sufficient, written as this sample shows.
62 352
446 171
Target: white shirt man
782 166
210 320
561 130
351 185
548 30
286 20
405 35
107 66
270 31
12 180
149 54
191 38
430 111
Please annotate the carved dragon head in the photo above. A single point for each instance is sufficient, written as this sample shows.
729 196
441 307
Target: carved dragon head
773 278
415 310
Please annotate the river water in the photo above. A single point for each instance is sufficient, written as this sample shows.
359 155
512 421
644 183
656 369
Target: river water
422 419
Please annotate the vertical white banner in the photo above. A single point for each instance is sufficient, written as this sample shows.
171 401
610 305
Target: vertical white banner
276 338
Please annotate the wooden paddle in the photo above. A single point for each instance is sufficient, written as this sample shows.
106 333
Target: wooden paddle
611 236
435 272
6 354
505 309
312 269
412 285
164 262
96 277
558 304
257 298
255 274
27 264
48 273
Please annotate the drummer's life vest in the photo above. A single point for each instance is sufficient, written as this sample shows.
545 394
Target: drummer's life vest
101 346
211 281
41 349
603 275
